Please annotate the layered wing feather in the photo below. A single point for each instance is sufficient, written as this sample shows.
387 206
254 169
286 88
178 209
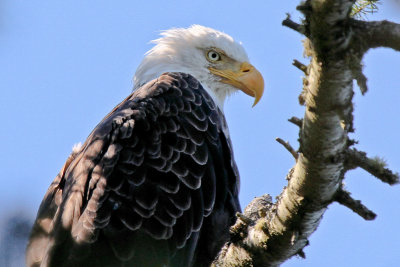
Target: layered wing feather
155 184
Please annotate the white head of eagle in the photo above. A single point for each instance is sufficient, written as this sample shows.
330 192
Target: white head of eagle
219 63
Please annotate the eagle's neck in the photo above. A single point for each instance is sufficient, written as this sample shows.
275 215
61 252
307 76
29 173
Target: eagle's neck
217 94
217 90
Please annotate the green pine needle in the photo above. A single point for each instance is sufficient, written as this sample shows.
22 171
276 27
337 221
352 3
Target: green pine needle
363 7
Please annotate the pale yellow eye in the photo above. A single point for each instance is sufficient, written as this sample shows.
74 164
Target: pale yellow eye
213 55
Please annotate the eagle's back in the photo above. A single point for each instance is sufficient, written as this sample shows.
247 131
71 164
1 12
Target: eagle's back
155 184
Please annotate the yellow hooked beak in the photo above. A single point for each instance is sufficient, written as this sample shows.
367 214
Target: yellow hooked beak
247 78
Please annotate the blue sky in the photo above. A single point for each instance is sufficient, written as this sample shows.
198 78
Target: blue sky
66 64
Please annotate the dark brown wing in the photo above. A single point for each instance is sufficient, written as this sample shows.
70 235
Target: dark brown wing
155 184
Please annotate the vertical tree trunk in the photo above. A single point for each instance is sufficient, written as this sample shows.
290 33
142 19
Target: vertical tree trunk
267 234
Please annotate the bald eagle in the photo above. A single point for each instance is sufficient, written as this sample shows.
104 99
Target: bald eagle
155 183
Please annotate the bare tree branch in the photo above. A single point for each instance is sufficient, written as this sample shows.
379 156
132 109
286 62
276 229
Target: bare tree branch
300 66
288 147
361 79
375 166
378 34
296 121
291 24
343 197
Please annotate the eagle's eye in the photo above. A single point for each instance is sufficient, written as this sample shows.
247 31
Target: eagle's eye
213 56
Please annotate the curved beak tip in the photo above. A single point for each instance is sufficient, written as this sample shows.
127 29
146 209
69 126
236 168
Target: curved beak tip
256 100
258 93
248 79
254 83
